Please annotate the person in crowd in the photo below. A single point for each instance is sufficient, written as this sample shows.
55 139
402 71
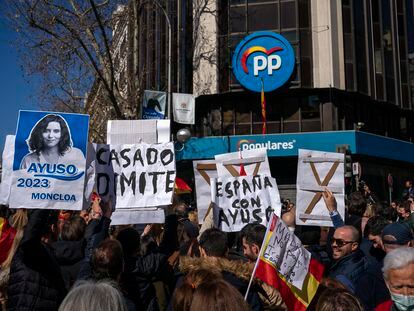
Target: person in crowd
203 289
409 190
97 296
35 281
396 235
50 142
373 231
9 245
398 273
69 250
370 211
183 295
369 196
388 212
337 299
351 265
213 250
252 236
404 211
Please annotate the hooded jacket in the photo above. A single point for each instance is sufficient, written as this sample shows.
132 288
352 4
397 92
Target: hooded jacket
69 255
35 279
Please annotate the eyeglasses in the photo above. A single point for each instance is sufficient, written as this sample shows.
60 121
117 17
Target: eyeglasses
340 242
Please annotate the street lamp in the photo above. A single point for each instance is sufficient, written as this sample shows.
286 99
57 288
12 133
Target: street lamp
168 57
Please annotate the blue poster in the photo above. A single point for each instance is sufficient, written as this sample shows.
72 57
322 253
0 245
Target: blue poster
49 160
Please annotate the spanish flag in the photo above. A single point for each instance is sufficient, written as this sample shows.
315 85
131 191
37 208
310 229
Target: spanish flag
7 234
289 269
263 105
181 187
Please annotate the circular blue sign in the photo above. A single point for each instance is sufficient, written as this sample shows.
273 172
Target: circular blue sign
263 57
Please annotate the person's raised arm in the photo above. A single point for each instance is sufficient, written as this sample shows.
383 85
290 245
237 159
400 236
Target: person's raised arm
331 205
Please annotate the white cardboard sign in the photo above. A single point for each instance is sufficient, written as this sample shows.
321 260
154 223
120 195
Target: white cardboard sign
243 200
318 170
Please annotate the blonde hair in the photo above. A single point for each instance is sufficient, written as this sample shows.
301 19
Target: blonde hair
18 221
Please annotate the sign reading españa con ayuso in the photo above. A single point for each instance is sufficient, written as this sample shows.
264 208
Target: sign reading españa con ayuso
49 160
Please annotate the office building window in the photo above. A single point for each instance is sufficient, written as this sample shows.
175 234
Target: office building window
239 18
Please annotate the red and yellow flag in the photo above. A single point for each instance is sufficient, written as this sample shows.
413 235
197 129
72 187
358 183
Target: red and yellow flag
263 104
181 187
7 234
269 267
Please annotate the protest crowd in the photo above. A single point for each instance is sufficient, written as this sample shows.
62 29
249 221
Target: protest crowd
114 228
69 260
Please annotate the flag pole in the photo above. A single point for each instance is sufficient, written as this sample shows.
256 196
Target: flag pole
263 108
258 257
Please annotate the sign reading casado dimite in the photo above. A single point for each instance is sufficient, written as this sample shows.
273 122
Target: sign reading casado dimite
263 56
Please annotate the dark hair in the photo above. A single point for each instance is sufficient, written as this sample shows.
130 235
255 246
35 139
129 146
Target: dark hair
218 295
375 225
183 295
107 260
130 241
309 235
35 140
214 242
406 206
148 245
73 229
388 212
356 204
253 234
338 299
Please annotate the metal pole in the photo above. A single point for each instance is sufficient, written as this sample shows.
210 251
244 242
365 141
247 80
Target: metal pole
168 57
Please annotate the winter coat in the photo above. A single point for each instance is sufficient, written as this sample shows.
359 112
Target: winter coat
35 280
69 255
236 273
365 276
351 266
139 273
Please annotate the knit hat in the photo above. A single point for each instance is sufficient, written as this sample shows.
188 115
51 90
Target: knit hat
397 233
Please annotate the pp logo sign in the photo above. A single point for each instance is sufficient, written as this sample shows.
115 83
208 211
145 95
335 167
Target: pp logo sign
263 58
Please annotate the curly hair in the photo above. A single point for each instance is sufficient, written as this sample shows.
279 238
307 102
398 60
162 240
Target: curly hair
35 140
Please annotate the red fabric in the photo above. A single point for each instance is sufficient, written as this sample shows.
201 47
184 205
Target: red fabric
242 171
7 235
266 273
181 186
385 306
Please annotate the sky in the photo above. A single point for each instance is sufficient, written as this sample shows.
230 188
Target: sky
17 91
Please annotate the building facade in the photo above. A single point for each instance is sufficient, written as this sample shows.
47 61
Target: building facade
354 72
354 68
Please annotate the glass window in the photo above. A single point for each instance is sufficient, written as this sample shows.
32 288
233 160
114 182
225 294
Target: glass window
288 15
305 43
290 109
304 15
237 19
242 129
306 72
311 126
290 127
263 17
310 108
346 17
378 62
291 36
349 76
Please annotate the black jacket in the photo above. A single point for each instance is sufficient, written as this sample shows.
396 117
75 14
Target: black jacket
352 266
69 255
35 280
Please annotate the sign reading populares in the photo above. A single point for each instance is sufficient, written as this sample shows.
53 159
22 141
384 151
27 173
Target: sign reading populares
265 59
